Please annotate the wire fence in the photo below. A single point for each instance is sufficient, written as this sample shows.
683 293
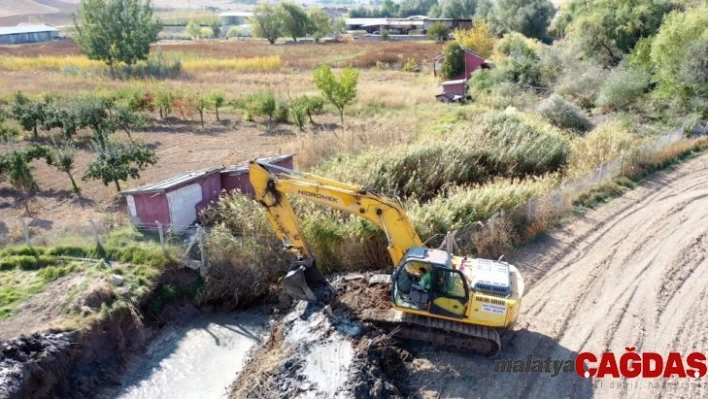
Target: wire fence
559 201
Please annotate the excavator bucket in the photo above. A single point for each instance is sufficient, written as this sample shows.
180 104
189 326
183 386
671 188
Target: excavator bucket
302 278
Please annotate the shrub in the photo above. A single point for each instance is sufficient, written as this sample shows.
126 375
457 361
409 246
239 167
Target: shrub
261 104
604 143
581 84
298 112
454 63
281 112
410 66
564 114
622 88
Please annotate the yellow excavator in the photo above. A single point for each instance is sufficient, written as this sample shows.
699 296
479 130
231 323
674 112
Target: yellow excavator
457 302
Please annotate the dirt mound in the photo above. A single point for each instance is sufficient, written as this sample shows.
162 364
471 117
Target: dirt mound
324 351
31 365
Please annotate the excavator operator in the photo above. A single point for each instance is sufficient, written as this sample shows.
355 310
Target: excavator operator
426 279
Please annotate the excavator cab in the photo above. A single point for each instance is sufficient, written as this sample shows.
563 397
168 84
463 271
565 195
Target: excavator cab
448 293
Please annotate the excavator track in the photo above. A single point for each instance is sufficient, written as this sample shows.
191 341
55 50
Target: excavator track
448 335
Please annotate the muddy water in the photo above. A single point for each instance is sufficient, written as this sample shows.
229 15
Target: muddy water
198 359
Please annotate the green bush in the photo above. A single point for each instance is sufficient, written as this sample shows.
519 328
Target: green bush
261 104
564 114
622 88
298 112
282 112
582 84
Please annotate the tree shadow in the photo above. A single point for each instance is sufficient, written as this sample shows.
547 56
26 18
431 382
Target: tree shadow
43 224
324 127
276 130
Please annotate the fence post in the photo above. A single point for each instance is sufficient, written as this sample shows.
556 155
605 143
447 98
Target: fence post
25 230
202 253
95 233
162 235
530 205
599 172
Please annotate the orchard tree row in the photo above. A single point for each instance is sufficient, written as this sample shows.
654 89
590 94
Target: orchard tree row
102 114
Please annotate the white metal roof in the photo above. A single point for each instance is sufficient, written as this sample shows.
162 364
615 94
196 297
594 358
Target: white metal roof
236 14
365 21
454 82
172 182
14 30
242 168
398 23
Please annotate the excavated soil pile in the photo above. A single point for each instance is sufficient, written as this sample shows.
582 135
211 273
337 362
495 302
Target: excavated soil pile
31 365
68 364
322 350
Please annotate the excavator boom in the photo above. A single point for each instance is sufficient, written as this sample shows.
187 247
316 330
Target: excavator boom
272 191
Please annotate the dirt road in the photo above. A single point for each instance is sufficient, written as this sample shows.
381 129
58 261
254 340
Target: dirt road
630 274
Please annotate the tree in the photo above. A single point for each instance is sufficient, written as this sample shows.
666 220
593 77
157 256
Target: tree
119 162
30 114
234 31
678 55
21 176
295 21
479 39
193 29
457 9
607 30
200 104
267 23
320 24
6 132
63 160
340 92
438 32
116 30
215 27
522 64
215 100
528 17
415 7
128 120
454 63
206 32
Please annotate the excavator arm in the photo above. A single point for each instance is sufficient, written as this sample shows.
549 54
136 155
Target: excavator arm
272 192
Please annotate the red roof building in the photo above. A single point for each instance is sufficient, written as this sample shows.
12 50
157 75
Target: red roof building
176 201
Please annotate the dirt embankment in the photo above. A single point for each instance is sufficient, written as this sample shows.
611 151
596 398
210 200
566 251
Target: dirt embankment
67 364
47 362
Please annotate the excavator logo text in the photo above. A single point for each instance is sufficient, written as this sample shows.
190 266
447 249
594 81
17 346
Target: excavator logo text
316 195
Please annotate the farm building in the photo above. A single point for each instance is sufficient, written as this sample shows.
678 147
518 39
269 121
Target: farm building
177 201
236 18
411 25
27 34
473 61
